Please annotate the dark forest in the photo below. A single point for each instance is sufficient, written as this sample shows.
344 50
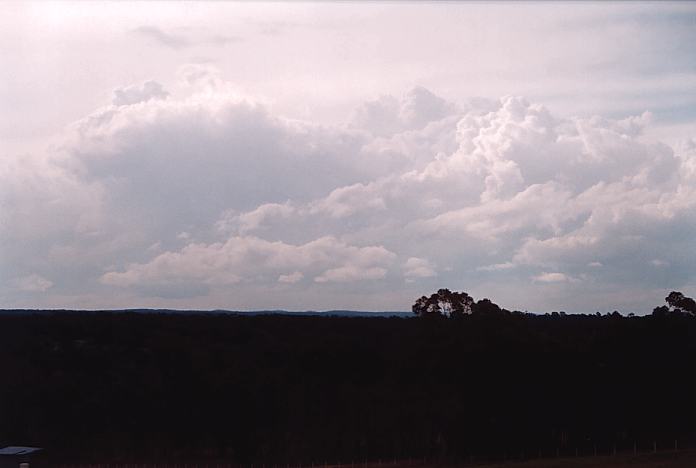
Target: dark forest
271 389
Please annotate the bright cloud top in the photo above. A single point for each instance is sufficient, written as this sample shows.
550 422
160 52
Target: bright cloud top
211 199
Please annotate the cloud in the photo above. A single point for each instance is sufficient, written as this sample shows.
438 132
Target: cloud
346 201
529 190
351 273
554 277
33 283
418 268
184 37
222 39
253 220
276 28
184 162
250 259
291 278
175 41
135 94
497 267
387 115
209 193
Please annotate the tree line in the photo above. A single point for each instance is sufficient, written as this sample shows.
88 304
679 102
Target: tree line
455 305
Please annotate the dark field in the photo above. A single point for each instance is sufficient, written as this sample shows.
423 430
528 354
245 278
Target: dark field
110 388
667 459
683 459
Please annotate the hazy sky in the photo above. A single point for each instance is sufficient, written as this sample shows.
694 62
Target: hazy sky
347 154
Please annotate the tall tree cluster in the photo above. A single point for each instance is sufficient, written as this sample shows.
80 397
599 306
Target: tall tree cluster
453 304
677 304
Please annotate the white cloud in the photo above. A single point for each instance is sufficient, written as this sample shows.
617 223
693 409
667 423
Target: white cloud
350 273
388 115
253 220
497 267
553 277
291 278
278 205
528 189
418 268
250 259
346 201
135 94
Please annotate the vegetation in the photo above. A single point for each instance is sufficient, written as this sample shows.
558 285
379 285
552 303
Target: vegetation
445 303
276 389
677 304
452 304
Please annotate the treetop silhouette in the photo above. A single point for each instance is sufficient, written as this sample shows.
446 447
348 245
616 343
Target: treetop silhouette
454 304
678 304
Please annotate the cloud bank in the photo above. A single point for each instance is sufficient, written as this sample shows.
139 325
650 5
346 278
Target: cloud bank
500 198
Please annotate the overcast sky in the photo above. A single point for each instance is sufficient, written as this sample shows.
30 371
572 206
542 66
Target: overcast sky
347 154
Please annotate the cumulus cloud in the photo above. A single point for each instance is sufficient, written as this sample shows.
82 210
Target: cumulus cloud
388 115
212 191
171 166
135 94
252 259
418 268
255 219
531 190
553 277
346 201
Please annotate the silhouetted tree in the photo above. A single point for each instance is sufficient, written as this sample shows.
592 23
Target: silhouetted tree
677 304
486 307
453 304
681 304
427 307
445 303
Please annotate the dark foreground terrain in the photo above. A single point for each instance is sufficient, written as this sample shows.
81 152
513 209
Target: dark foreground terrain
105 387
681 459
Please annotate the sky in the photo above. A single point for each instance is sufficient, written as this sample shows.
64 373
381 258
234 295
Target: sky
347 155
